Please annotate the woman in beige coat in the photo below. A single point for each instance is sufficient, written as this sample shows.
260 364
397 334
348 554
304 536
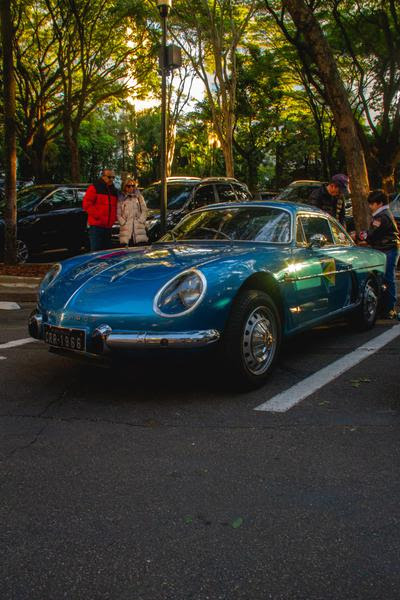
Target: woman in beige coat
131 215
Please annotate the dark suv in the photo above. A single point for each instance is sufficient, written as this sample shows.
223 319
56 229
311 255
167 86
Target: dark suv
50 217
184 194
299 191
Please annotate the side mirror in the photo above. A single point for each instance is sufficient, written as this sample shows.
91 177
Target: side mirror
318 240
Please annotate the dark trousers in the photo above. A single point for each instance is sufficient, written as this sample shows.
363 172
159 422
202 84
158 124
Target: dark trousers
99 237
390 296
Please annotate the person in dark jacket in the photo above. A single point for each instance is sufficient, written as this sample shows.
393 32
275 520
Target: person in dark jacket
331 197
100 203
383 235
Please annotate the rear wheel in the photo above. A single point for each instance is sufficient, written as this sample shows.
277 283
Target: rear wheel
251 339
23 252
366 313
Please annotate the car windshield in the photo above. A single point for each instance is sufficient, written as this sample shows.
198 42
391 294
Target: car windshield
177 194
28 198
258 224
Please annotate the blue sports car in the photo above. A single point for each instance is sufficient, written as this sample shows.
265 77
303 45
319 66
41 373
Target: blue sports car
237 277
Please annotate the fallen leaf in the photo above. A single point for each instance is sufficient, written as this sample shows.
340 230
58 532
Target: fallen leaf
188 520
237 523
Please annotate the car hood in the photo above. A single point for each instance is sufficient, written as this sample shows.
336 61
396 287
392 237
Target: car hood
119 281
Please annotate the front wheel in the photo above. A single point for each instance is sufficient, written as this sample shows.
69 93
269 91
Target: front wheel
251 339
366 313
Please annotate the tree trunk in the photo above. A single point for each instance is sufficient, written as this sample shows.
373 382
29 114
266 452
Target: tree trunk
336 94
252 172
10 137
71 141
227 150
37 154
75 163
171 139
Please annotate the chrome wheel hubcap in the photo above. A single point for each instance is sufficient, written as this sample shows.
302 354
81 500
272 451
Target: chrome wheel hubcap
259 340
22 251
370 302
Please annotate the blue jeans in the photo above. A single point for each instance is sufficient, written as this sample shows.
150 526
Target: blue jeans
99 237
390 295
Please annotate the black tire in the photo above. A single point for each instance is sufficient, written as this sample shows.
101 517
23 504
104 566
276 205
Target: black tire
23 251
251 339
365 315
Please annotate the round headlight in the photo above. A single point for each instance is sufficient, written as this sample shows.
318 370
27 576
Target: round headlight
50 276
180 295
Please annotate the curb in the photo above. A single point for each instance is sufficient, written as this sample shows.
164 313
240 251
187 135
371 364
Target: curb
19 289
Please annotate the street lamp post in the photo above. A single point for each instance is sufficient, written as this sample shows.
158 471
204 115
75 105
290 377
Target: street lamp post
163 7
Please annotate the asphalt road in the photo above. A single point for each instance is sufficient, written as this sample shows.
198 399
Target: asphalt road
154 482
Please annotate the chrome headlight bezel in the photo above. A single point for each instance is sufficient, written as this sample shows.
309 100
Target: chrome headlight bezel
183 275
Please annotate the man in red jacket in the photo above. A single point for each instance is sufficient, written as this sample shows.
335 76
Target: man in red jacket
100 203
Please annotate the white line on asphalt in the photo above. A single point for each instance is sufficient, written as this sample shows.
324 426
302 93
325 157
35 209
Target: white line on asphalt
9 306
17 343
3 357
286 400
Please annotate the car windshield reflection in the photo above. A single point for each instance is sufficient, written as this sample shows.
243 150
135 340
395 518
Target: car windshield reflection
257 224
28 198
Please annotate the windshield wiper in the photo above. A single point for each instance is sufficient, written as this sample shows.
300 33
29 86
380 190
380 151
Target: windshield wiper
225 235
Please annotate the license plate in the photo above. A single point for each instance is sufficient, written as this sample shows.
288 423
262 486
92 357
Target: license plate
61 337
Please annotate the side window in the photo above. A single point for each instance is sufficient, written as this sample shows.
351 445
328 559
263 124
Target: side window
203 196
340 237
60 199
225 193
316 225
242 194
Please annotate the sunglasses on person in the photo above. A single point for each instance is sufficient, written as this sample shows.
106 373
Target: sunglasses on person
130 185
110 176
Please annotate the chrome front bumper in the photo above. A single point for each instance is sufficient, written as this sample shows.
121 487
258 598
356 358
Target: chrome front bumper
103 339
144 339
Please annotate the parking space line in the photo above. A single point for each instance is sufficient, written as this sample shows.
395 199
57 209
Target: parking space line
15 343
9 306
289 398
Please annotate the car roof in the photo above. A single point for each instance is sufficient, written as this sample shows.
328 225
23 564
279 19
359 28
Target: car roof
293 207
51 186
195 180
305 182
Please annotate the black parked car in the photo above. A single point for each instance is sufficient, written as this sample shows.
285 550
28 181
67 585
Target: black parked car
184 194
50 217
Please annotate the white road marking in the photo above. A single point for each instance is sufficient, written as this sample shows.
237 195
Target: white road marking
3 357
289 398
17 343
9 306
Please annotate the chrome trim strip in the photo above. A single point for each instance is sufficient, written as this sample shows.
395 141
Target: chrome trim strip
144 339
349 269
288 279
